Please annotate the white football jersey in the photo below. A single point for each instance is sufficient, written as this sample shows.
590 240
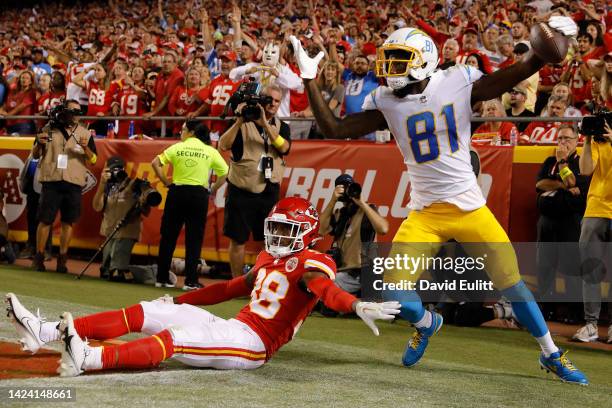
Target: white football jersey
433 132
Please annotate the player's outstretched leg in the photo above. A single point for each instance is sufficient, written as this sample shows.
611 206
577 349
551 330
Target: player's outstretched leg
78 356
529 315
29 326
34 331
427 323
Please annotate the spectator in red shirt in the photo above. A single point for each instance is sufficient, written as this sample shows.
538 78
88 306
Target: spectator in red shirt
469 47
186 98
95 81
577 73
505 46
494 133
132 100
21 101
167 81
546 132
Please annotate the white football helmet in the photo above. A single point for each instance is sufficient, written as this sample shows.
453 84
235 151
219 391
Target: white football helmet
419 60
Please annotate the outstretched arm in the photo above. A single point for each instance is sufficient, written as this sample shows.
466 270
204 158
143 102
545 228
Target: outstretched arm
219 292
494 85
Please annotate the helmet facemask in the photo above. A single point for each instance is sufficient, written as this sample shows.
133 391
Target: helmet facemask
284 237
400 65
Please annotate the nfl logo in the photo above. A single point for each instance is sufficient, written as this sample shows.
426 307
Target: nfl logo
423 99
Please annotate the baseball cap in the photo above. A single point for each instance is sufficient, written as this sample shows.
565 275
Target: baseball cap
115 161
343 180
470 29
230 55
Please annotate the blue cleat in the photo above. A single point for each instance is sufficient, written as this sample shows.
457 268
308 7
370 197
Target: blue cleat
563 368
420 339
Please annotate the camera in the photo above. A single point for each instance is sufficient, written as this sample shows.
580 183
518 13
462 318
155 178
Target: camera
595 125
60 117
146 194
118 174
248 93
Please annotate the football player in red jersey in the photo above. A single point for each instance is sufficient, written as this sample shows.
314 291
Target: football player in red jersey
285 283
217 95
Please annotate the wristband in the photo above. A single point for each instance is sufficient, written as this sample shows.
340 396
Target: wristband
565 173
94 158
278 142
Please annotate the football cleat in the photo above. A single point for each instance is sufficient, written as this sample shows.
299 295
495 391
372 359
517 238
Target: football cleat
27 325
563 368
420 339
75 349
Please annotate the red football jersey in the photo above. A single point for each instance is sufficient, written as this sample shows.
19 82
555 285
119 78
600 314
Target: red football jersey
219 91
541 133
131 104
279 301
97 99
49 100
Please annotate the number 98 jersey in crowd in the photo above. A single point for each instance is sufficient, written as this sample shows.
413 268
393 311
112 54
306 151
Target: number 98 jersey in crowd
280 301
433 133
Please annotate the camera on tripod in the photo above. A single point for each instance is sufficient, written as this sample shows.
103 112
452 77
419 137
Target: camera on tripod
248 93
596 125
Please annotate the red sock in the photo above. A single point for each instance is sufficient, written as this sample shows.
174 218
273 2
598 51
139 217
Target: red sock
111 324
141 353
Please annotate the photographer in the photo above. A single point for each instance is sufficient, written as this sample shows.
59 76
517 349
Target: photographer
63 149
354 224
117 195
561 203
258 141
187 202
595 235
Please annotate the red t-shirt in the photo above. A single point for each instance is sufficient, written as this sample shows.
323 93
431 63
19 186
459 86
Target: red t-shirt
279 305
15 99
182 102
540 133
219 91
165 85
550 75
298 100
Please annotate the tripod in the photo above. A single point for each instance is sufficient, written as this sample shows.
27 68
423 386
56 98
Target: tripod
133 211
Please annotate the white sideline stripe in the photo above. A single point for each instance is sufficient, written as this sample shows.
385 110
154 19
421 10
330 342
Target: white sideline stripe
321 266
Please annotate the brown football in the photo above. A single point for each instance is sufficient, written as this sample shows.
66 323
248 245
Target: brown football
548 43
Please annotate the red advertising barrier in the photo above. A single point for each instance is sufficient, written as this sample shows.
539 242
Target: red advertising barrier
311 170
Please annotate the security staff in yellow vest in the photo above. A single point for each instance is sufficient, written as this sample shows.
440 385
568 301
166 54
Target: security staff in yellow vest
187 202
64 148
353 225
115 196
256 171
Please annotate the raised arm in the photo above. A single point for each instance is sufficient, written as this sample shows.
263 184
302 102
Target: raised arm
492 86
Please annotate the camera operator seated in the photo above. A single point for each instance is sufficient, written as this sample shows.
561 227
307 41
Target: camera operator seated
118 195
258 141
64 148
354 224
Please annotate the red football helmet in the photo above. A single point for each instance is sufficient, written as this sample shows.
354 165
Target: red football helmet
292 226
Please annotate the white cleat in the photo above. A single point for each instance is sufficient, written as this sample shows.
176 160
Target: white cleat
587 333
74 351
27 325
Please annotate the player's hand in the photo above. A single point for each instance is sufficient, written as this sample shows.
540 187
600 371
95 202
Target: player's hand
369 312
164 300
308 66
564 25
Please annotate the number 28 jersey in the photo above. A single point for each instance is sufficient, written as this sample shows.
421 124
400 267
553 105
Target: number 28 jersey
433 133
280 302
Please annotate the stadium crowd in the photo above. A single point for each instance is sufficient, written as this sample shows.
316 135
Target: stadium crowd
185 58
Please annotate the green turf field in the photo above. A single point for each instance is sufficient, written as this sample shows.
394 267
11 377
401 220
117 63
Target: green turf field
331 363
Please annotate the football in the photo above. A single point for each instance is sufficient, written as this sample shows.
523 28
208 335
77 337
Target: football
548 43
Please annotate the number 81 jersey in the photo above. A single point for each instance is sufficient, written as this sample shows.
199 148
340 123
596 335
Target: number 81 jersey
433 132
280 302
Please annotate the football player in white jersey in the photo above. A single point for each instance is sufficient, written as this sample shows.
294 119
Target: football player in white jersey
429 113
